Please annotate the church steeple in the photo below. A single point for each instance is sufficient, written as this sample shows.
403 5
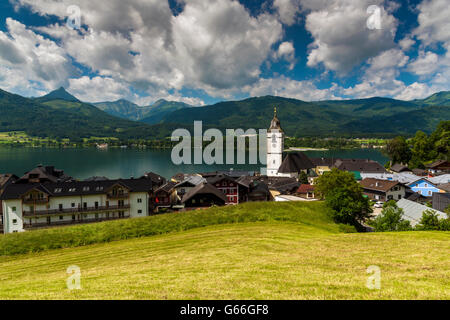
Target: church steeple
275 123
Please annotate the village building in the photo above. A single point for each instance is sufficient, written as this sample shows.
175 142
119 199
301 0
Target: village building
165 196
439 166
383 190
397 167
322 165
34 205
413 211
203 195
425 187
5 180
441 201
306 191
189 182
230 187
42 174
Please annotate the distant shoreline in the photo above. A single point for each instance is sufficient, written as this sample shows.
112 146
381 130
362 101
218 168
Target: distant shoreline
306 149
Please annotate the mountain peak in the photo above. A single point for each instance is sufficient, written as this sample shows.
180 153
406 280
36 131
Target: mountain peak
59 94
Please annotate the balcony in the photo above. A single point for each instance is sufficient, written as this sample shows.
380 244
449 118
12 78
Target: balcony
74 210
125 195
35 201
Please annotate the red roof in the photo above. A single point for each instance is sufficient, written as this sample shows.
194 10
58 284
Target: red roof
305 188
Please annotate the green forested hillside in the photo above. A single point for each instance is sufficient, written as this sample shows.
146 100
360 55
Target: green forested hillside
60 115
378 116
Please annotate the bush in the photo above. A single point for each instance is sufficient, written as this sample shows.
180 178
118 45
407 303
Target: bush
390 219
429 221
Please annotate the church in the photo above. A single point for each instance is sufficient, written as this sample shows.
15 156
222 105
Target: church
293 162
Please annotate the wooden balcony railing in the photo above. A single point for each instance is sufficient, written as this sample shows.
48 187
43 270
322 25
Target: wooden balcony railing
119 196
74 210
35 201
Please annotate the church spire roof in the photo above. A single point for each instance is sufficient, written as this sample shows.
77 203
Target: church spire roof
275 123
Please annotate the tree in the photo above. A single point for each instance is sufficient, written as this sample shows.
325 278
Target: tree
303 178
344 196
398 150
422 150
429 220
390 219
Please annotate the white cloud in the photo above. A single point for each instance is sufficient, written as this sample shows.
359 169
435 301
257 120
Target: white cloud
286 87
215 46
34 62
286 51
434 22
341 37
425 64
97 89
287 10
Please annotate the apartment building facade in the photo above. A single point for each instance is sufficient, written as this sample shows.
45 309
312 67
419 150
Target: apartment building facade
37 205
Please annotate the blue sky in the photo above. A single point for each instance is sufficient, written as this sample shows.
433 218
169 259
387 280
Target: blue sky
201 52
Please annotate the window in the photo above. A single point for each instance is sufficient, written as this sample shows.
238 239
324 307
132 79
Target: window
73 204
61 217
58 190
73 217
430 193
399 196
85 188
60 207
72 189
426 185
139 211
96 204
13 209
139 200
14 221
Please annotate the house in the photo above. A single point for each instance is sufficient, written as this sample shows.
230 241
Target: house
383 190
397 168
235 191
424 187
412 211
259 191
35 205
5 180
445 187
439 166
420 172
165 196
306 191
42 174
322 165
190 182
204 195
156 179
359 165
441 201
293 164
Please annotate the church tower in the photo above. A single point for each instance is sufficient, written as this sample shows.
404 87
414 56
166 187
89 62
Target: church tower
275 146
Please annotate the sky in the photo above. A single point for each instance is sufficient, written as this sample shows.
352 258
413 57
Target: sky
205 51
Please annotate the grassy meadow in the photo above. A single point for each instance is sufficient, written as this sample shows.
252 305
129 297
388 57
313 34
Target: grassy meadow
251 251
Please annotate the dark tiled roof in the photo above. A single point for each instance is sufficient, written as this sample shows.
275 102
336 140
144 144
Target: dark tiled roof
360 165
399 168
45 173
15 190
445 187
96 178
420 172
295 162
156 178
441 201
7 178
438 163
378 184
204 188
167 187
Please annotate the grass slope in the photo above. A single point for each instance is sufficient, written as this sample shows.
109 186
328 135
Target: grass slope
270 259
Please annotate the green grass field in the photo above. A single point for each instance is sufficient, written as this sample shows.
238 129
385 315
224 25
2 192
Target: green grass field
265 251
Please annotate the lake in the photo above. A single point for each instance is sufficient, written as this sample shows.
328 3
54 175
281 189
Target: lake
124 163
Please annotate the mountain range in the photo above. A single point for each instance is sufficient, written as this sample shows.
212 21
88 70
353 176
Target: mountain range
61 115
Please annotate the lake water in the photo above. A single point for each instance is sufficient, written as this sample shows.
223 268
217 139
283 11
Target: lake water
124 163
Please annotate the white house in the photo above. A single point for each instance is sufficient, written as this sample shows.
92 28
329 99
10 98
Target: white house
34 205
